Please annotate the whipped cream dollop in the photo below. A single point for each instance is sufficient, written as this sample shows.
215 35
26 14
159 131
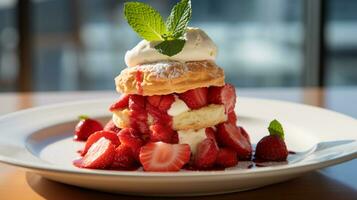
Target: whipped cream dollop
198 46
177 107
192 138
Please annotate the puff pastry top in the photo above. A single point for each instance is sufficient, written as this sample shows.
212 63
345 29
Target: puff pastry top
168 77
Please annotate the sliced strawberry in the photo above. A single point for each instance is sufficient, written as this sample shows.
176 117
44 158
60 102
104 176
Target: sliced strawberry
154 100
225 95
123 158
211 133
161 133
165 103
110 135
138 115
232 136
154 112
137 123
122 103
206 154
161 102
131 138
196 98
136 102
232 117
162 157
110 126
175 138
86 127
100 155
159 116
227 158
244 133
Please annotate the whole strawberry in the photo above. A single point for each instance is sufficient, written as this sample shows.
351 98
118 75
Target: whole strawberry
86 127
110 126
272 147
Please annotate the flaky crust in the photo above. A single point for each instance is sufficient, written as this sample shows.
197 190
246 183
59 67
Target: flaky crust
169 77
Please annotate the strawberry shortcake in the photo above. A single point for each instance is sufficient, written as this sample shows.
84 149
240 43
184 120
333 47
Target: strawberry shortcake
175 110
179 104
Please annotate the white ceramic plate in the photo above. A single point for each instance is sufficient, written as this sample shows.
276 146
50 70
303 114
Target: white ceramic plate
40 140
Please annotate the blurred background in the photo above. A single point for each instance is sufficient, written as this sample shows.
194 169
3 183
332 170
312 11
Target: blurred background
50 45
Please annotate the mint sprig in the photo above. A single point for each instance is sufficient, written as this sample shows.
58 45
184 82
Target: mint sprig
149 25
145 20
275 128
170 47
178 19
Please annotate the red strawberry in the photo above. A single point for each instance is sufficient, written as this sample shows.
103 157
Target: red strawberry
166 102
100 155
110 126
196 98
136 102
122 103
154 100
175 138
138 115
232 136
271 148
210 133
162 157
161 102
159 116
161 133
206 154
244 133
225 95
86 127
123 158
227 157
131 138
232 117
110 135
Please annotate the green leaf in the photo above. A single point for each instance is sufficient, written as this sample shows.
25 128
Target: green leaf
83 117
177 21
275 128
170 47
145 20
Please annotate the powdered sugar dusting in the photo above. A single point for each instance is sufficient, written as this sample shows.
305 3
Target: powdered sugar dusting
165 69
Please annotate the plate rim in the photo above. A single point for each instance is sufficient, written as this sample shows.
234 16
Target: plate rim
258 171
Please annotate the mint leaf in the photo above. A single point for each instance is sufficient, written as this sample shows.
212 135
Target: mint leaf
275 128
83 117
170 47
177 21
145 20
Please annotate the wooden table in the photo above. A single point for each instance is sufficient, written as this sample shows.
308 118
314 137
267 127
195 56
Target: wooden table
337 182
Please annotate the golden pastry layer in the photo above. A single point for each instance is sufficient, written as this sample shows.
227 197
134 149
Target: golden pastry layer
208 116
169 77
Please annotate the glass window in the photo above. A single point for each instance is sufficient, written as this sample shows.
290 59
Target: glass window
8 46
82 45
341 41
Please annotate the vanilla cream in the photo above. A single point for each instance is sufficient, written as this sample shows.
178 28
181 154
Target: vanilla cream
177 107
192 138
198 46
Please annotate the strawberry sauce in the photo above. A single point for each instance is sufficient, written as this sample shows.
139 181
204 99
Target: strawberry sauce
139 80
78 162
292 152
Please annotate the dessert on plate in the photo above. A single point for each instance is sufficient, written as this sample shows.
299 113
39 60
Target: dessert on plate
176 111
